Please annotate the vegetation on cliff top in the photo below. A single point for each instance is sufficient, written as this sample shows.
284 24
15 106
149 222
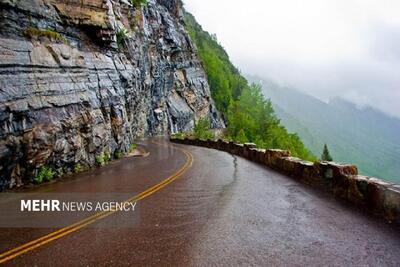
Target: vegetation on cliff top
225 80
250 116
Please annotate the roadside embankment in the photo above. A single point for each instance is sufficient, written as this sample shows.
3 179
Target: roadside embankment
342 180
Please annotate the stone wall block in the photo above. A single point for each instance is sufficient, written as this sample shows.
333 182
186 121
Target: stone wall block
272 155
260 155
357 191
376 194
391 204
238 149
225 146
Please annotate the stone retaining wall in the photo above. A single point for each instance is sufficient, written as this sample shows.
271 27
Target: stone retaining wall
374 195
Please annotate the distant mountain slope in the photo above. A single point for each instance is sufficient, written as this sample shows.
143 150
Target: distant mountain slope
249 115
366 137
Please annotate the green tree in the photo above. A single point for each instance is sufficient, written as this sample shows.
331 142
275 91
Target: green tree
252 118
241 137
202 129
325 154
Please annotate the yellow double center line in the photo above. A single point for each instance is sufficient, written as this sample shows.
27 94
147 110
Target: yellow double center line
11 254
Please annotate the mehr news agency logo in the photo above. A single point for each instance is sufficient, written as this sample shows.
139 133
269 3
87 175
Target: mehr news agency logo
37 205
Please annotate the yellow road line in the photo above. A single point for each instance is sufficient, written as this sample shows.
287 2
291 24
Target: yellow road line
8 255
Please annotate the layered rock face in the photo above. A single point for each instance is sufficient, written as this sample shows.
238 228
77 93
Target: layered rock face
82 78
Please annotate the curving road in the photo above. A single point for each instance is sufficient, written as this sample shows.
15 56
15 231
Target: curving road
202 207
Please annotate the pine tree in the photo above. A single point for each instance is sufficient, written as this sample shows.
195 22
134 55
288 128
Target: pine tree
325 154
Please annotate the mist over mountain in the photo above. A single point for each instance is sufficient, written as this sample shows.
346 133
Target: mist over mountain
329 48
363 136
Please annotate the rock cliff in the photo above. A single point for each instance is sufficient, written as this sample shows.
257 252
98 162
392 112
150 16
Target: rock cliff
83 78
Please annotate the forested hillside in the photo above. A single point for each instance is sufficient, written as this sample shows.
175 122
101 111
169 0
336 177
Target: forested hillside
249 115
365 137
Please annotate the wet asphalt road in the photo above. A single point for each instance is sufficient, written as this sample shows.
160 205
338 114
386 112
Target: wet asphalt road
224 210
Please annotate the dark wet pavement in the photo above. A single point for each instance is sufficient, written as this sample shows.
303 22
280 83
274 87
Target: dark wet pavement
223 211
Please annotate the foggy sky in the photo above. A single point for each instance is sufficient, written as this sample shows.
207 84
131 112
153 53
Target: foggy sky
327 48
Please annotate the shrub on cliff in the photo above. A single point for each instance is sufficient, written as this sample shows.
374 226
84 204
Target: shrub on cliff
32 32
45 174
78 168
100 160
132 148
121 35
118 155
138 3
